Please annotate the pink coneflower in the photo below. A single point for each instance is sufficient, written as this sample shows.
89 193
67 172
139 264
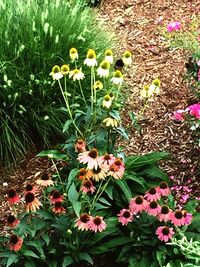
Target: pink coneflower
31 202
56 197
164 233
137 204
178 115
107 160
82 222
97 224
15 243
98 174
30 189
87 186
153 208
58 208
163 189
90 157
125 216
178 218
84 174
12 196
165 214
187 216
45 180
152 194
116 170
194 110
80 146
12 221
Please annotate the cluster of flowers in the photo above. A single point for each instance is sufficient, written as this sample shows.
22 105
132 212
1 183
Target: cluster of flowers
91 61
174 26
181 114
150 89
149 203
98 167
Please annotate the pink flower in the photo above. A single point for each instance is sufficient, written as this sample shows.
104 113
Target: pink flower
30 189
12 196
153 208
116 170
137 204
87 186
187 216
164 214
15 243
90 157
163 189
152 194
56 197
80 146
178 115
82 222
12 221
173 26
178 218
194 110
164 233
125 216
97 224
107 160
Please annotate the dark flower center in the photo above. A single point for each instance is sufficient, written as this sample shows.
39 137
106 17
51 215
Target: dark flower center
139 200
82 172
80 142
165 230
84 218
29 197
112 168
164 210
111 94
97 171
97 220
153 204
163 185
29 187
126 214
11 219
14 239
55 194
45 176
87 184
12 193
118 162
106 156
152 191
58 205
178 215
93 153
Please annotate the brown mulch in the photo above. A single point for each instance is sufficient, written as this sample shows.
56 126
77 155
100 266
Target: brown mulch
136 25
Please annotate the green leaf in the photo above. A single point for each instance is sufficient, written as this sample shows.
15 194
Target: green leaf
77 207
72 175
30 253
156 172
46 238
115 114
67 261
103 200
139 180
30 263
85 256
109 191
115 242
52 154
72 193
12 259
67 125
122 132
125 189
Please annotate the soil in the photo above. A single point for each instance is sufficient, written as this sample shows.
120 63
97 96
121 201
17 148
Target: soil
137 24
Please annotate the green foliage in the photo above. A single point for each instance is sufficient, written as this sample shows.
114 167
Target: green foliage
35 35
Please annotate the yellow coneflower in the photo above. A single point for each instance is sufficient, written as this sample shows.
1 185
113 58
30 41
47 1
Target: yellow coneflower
146 92
73 53
76 74
156 83
107 102
110 122
56 73
109 55
98 85
117 77
90 60
103 69
127 58
65 69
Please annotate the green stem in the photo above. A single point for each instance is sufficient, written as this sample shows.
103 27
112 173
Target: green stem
68 107
108 140
54 165
141 112
82 91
